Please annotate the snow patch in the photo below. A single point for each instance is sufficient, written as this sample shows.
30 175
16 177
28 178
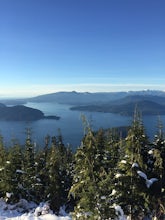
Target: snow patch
15 212
103 197
135 165
113 192
123 161
150 152
119 212
118 175
8 195
149 182
20 171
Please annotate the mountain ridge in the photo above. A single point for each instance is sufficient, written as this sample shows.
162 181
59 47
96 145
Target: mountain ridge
146 107
151 102
75 98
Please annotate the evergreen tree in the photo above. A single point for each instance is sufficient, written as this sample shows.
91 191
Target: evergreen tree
157 193
109 148
14 172
31 184
130 186
92 183
42 170
3 159
58 165
108 170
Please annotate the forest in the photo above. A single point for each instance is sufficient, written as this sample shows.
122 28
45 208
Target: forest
106 171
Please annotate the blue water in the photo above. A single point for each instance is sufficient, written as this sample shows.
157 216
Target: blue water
70 124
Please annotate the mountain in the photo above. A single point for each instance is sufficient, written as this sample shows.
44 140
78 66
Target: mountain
148 101
138 98
2 105
146 107
82 98
76 98
13 101
22 113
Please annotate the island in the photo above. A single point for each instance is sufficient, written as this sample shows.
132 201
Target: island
22 113
146 107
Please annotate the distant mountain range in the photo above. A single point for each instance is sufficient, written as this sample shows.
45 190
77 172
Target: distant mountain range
79 98
149 102
76 98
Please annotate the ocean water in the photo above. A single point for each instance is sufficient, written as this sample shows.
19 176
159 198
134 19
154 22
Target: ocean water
70 124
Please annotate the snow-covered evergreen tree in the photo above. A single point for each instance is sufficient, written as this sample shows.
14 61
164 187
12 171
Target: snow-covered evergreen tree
31 184
157 193
92 184
3 175
59 177
14 172
130 186
42 170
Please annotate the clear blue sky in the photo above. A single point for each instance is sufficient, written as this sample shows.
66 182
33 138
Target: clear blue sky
84 45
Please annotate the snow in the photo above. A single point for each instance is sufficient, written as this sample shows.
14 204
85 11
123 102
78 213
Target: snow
119 212
32 217
123 161
149 182
135 165
118 175
41 212
113 192
143 175
8 195
103 197
20 171
150 152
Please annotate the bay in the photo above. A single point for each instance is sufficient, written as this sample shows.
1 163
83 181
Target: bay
70 124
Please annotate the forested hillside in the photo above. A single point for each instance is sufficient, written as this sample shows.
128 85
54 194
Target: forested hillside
84 98
107 174
22 113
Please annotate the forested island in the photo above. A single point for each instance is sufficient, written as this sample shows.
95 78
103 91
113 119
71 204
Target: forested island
146 107
22 113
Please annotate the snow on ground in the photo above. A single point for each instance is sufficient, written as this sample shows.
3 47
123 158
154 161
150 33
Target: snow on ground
32 217
24 210
41 212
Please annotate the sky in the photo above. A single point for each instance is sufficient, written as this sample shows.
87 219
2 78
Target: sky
81 45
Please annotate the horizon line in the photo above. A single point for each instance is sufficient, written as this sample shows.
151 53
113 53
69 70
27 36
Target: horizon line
75 91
